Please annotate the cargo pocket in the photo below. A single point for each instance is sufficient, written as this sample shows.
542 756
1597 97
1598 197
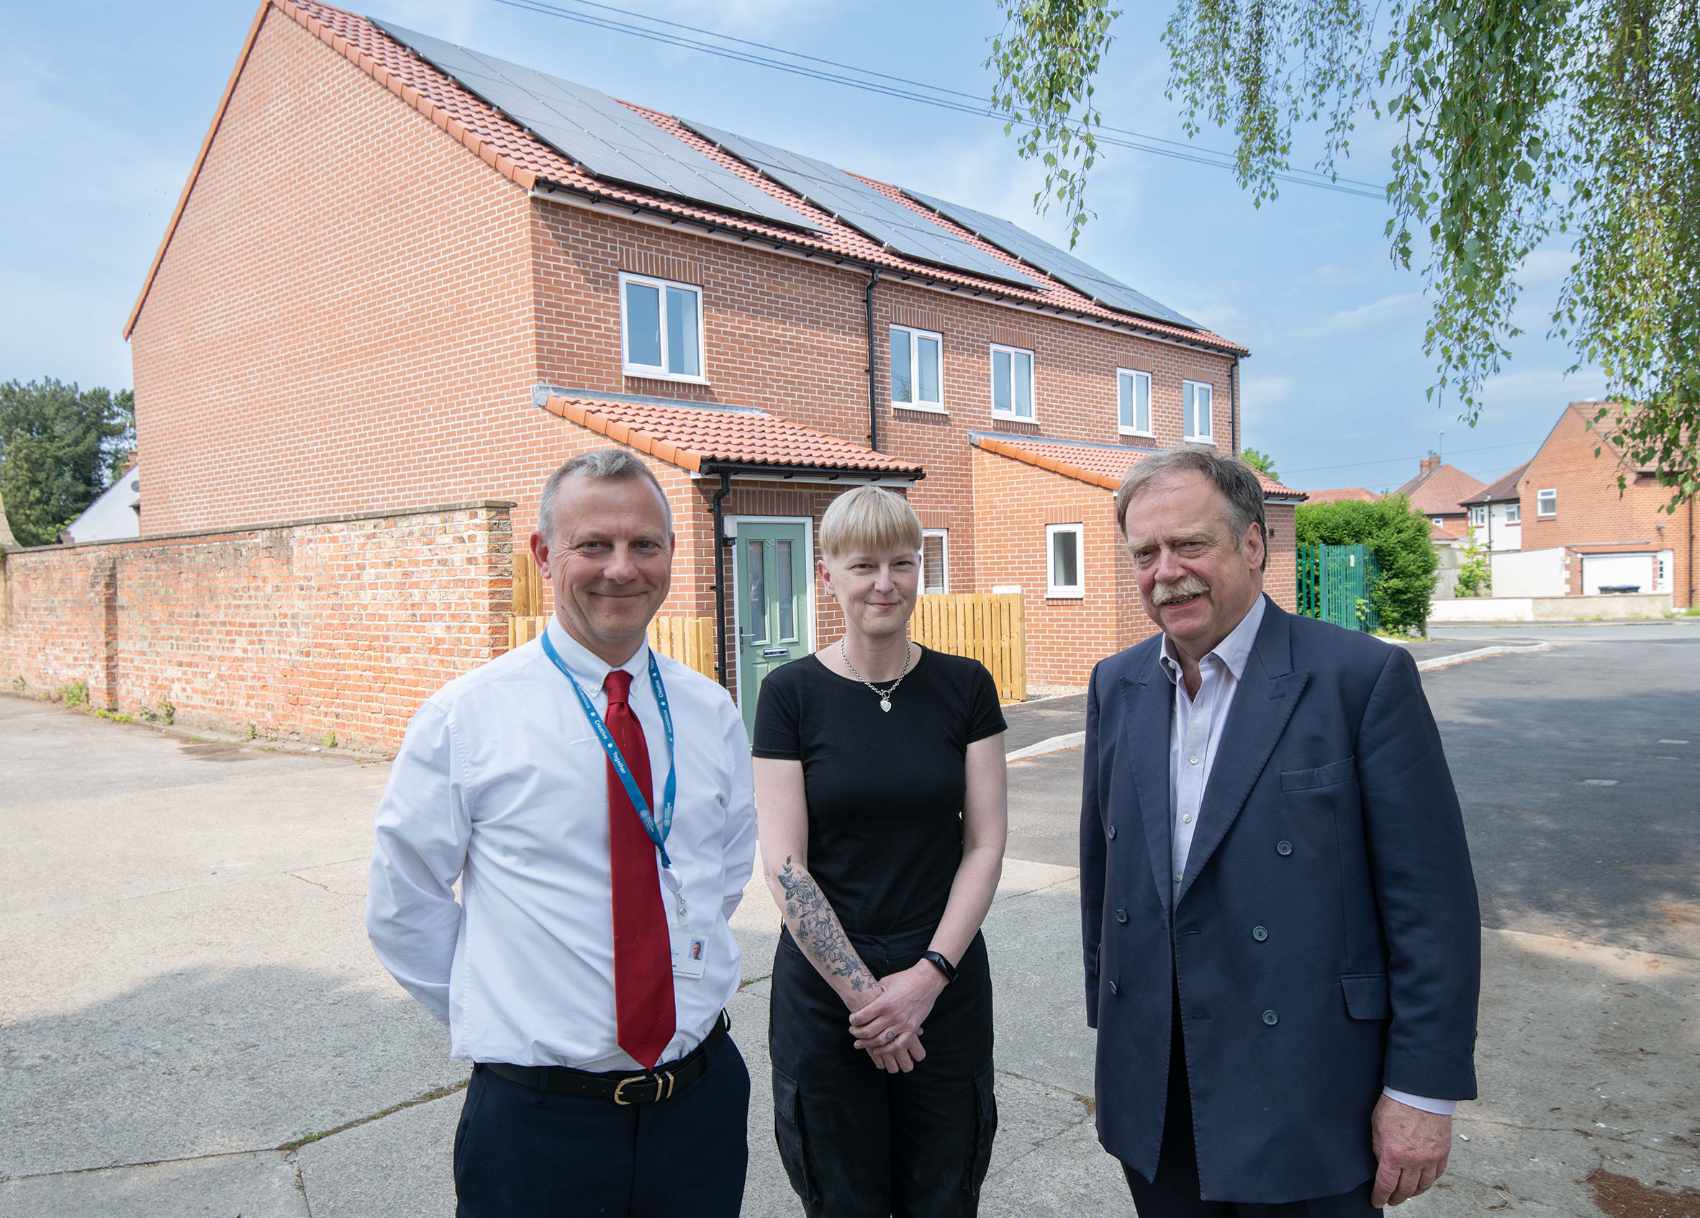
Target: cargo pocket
985 1129
788 1132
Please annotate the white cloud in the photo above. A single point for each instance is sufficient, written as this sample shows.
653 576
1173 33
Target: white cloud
1365 317
1259 393
1551 387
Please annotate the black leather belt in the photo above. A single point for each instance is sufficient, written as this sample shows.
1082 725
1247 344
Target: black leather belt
649 1087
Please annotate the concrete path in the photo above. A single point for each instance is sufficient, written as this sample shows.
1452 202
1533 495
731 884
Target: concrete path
193 1023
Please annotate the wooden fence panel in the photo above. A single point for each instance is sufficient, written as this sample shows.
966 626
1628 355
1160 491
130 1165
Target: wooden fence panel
990 629
689 640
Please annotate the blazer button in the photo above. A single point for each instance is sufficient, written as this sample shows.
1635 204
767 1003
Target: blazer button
1283 848
1121 916
1112 832
1258 933
1113 989
1271 1018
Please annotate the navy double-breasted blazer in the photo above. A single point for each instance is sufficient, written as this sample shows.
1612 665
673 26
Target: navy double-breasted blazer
1325 938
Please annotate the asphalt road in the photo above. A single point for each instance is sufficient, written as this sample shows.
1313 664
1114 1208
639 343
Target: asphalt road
1579 773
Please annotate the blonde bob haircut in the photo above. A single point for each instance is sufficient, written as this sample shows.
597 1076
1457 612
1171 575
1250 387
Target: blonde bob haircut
869 520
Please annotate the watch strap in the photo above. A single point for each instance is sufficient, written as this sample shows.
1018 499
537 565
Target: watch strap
937 960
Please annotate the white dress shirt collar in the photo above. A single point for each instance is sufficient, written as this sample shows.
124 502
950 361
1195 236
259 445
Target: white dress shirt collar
589 669
1232 652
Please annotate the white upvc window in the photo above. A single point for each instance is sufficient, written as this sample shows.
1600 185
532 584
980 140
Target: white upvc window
1133 402
1546 502
917 368
1064 576
1478 515
661 329
935 561
1514 513
1196 397
1012 383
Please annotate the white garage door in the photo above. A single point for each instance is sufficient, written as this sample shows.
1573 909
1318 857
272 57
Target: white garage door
1616 571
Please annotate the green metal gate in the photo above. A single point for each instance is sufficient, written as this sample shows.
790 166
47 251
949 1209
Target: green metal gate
1335 584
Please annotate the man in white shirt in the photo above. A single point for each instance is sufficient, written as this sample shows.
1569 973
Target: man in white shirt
594 800
1281 932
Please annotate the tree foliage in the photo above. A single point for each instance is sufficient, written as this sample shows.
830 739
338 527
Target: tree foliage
1517 121
60 447
1261 461
1397 535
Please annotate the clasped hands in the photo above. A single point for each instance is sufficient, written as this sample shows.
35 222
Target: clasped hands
888 1026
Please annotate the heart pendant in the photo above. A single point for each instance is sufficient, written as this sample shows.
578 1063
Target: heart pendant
885 704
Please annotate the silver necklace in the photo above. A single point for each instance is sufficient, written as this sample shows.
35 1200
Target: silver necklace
884 694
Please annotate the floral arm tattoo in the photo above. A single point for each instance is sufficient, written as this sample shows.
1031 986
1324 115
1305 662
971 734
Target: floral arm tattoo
817 929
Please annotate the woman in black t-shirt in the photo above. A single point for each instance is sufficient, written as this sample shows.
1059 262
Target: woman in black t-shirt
880 799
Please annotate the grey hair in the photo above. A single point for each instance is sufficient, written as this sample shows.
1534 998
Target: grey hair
611 463
1233 479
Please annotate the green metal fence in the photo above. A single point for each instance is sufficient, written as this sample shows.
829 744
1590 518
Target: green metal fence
1335 584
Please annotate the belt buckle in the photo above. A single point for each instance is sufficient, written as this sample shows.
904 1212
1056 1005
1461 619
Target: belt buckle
663 1088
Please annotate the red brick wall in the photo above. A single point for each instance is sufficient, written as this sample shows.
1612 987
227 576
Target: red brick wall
1590 509
343 625
340 323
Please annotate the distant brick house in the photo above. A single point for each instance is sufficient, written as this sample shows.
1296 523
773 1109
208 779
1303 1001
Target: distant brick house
1496 512
1438 491
1568 497
379 291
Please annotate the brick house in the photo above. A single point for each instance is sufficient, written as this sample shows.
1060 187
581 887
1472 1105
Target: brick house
1568 498
1438 491
380 291
1496 513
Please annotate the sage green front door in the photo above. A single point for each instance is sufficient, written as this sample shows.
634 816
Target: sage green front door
773 604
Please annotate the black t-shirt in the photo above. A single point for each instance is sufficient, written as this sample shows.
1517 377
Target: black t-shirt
884 789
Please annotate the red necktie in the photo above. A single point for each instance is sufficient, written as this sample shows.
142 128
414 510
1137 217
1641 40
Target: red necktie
643 962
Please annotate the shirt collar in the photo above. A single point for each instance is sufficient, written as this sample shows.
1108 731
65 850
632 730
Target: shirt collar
589 669
1232 652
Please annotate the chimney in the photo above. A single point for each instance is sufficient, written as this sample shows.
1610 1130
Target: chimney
1428 464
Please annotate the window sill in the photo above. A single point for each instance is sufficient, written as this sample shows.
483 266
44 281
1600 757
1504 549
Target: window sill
655 374
1064 594
1014 418
1197 440
920 408
1140 435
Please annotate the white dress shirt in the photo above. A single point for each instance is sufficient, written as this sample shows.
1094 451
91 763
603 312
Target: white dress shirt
1193 737
502 784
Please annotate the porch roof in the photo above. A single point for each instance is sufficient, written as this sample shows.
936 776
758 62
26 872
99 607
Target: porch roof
1104 465
708 437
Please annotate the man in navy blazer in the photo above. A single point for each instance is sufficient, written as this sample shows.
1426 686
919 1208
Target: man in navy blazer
1282 940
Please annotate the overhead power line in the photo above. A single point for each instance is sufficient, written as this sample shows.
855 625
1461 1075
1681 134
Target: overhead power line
903 88
1312 469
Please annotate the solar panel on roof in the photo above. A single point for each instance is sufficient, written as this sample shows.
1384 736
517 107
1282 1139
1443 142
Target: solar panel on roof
1083 278
597 132
865 209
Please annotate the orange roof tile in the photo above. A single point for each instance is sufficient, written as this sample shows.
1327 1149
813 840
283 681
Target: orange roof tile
527 161
701 436
1343 494
1104 465
1440 490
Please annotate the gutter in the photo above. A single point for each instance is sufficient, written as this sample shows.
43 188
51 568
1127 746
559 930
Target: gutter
716 504
873 390
783 472
1233 405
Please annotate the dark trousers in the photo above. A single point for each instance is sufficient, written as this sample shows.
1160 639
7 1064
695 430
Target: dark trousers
521 1153
857 1142
1175 1191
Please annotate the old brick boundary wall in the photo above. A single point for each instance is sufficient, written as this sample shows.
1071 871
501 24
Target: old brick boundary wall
335 625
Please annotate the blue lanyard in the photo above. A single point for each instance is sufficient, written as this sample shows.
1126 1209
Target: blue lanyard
670 791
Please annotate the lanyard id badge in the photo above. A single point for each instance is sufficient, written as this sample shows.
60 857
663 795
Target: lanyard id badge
656 833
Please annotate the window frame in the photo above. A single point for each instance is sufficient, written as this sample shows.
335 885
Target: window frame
914 403
1054 590
659 372
1150 431
1513 513
1190 411
1478 515
944 558
1541 494
992 350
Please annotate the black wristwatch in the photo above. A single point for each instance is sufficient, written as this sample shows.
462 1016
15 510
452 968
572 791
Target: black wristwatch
937 960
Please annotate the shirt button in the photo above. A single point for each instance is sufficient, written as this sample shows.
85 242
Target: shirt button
1187 819
1270 1018
1283 848
1121 916
1178 876
1258 933
1192 760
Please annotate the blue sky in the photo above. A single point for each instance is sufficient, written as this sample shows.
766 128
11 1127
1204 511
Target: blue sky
108 105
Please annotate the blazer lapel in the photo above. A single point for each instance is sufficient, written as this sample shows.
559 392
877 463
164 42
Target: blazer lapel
1145 737
1268 691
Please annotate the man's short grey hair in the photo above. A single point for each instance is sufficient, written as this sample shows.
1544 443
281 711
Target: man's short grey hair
613 463
1234 480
